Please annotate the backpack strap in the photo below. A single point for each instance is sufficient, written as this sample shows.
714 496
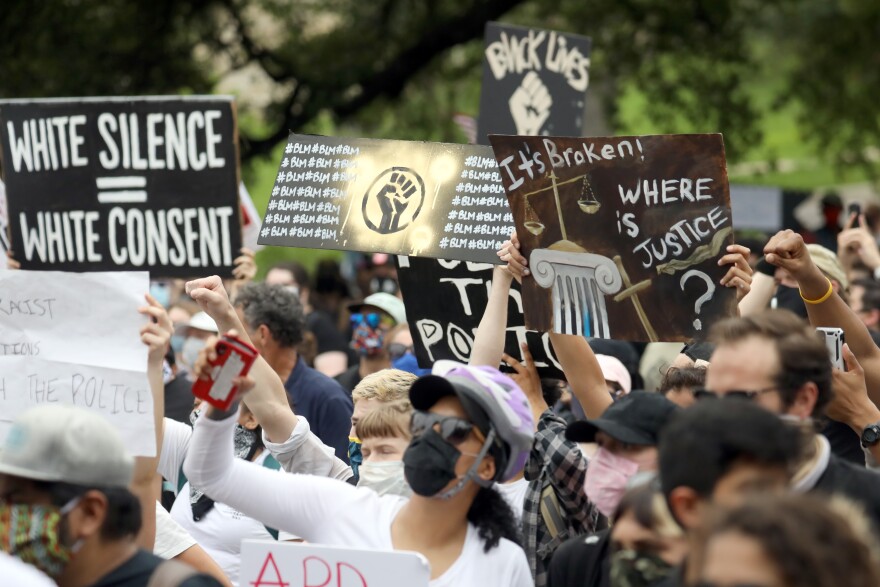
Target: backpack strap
171 573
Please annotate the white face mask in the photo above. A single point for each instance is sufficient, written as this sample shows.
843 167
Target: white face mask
385 478
190 351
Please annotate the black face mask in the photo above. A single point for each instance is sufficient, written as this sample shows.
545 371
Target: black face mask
429 463
789 298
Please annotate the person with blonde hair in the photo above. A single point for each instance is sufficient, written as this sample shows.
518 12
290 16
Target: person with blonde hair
385 434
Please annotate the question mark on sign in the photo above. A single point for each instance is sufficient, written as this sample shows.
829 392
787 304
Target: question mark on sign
710 291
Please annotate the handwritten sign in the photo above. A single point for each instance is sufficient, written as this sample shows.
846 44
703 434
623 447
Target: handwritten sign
73 338
622 234
123 184
266 563
534 82
423 199
445 301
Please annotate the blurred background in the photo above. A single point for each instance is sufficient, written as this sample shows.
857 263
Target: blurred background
792 84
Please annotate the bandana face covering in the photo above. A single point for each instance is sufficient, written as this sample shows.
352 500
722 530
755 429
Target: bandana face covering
631 568
355 457
368 336
33 534
607 478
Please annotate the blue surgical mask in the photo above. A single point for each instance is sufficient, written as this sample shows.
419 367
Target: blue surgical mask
354 456
410 364
162 292
177 341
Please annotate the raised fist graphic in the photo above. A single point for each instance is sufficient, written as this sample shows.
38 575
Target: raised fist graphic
530 105
394 200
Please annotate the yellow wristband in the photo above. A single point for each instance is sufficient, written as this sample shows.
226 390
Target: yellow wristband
823 298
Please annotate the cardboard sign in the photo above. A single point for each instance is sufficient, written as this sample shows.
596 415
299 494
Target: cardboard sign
622 234
400 197
123 183
534 82
266 563
74 338
445 301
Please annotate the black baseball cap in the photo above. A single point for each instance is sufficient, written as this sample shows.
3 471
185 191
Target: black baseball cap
636 418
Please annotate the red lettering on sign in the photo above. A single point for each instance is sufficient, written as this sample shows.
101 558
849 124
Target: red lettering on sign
306 572
278 582
339 583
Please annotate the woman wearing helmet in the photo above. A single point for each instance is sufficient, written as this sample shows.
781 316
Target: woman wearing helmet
472 427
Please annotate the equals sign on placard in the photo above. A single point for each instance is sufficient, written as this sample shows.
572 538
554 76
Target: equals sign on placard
122 190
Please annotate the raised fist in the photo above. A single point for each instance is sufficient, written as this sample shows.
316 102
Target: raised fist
530 105
393 199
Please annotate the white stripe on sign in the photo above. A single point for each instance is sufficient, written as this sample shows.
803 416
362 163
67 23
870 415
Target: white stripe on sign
122 197
128 181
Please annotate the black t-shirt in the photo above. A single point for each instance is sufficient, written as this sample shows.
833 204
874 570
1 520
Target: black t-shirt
582 561
326 334
854 482
136 572
349 378
179 399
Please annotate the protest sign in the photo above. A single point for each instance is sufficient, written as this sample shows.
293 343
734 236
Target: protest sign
73 338
4 227
534 82
623 235
98 184
400 197
445 301
267 563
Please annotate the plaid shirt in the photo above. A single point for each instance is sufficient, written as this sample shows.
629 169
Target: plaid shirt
555 507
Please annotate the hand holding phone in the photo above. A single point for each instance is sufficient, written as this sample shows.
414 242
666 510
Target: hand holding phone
234 359
834 341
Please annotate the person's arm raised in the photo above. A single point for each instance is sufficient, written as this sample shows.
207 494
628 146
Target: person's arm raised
824 307
268 400
851 404
492 331
146 484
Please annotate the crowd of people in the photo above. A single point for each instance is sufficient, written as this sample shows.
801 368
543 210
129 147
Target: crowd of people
742 459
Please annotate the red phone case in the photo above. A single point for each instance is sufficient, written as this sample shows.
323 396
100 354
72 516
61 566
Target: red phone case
234 359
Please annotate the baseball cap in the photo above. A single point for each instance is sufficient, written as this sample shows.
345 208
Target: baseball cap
613 370
65 443
201 321
636 418
386 302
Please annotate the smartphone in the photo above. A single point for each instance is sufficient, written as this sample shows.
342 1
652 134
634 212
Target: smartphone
234 359
834 343
855 208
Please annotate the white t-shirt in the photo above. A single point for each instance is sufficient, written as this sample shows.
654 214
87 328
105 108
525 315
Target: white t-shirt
222 529
303 452
15 572
171 539
514 494
327 511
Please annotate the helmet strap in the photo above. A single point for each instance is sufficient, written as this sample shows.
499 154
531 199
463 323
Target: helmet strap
471 474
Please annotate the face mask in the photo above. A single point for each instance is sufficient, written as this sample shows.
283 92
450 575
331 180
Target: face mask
607 478
161 292
367 340
789 298
410 364
177 341
33 534
429 463
631 568
385 478
189 354
354 456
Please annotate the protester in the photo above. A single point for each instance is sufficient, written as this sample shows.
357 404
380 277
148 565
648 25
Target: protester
858 250
864 299
65 506
199 328
385 434
273 317
617 378
331 357
642 546
371 321
399 344
718 453
680 383
788 541
473 428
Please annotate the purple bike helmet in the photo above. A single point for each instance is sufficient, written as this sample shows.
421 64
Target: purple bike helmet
492 400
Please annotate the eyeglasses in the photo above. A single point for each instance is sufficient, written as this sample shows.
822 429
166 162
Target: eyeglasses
746 394
453 430
397 350
372 319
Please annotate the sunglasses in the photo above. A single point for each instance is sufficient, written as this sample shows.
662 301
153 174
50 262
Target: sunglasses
372 319
452 429
397 350
701 394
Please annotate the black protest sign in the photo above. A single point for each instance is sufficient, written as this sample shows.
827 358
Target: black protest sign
445 301
623 235
401 197
104 184
534 82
